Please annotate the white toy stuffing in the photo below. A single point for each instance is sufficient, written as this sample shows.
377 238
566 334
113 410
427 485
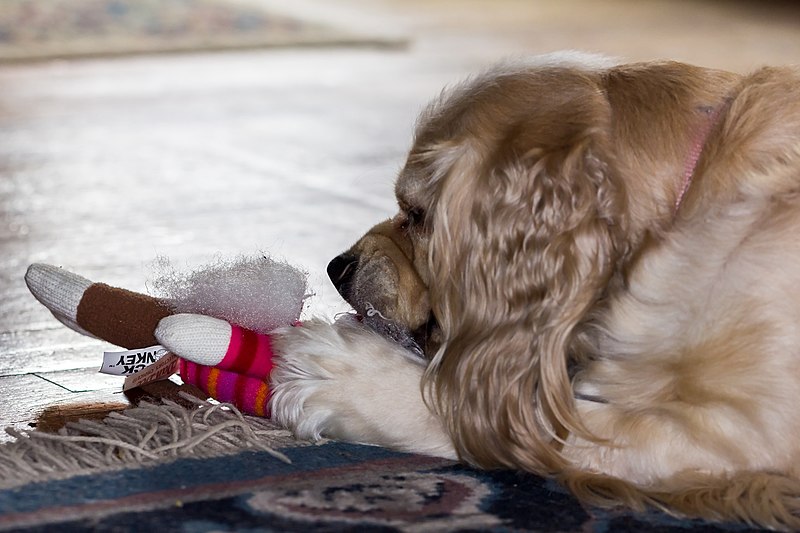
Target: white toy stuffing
257 293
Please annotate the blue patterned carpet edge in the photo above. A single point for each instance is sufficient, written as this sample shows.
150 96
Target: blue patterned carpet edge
331 487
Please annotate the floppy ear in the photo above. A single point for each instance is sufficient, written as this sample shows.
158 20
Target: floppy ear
523 246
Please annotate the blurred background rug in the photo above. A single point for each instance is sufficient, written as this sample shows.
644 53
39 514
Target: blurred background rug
47 29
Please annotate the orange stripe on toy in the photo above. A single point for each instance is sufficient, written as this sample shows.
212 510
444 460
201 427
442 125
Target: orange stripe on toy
260 406
249 394
211 382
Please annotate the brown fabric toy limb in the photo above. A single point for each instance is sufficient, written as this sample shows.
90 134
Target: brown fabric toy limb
119 316
131 325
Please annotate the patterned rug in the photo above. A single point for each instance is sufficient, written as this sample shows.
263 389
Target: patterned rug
46 29
166 468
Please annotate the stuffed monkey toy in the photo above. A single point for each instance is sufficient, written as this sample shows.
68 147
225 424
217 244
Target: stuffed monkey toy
228 362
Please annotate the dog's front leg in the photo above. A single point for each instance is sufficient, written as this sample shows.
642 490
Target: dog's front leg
346 382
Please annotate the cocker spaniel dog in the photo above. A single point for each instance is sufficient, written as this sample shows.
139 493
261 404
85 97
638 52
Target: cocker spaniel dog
600 266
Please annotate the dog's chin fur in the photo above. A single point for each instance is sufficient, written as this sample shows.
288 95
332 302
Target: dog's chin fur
596 319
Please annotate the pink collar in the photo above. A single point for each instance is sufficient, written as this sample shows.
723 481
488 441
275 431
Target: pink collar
710 119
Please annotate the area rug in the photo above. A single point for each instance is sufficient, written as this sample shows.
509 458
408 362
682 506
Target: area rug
46 29
168 468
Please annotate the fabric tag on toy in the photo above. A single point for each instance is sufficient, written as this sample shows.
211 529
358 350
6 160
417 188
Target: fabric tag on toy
131 361
162 369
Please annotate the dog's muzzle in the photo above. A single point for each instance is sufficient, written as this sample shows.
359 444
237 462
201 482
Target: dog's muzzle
370 288
341 270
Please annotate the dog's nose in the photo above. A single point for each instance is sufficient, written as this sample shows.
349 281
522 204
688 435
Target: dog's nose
341 270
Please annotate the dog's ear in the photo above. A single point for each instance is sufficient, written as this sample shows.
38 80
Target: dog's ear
523 246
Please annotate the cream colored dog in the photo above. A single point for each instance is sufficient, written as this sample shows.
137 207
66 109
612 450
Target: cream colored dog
601 264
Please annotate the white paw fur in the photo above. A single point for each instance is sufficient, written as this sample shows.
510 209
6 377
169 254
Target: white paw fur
346 382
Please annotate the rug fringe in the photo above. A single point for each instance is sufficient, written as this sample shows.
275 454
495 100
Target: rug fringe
140 436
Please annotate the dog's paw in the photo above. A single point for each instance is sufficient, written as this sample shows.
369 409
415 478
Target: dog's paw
345 382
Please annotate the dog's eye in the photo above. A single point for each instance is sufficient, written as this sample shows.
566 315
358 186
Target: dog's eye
414 217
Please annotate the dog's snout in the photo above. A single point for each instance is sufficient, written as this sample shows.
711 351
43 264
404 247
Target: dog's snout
341 270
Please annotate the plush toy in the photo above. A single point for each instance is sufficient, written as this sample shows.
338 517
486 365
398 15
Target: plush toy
227 355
